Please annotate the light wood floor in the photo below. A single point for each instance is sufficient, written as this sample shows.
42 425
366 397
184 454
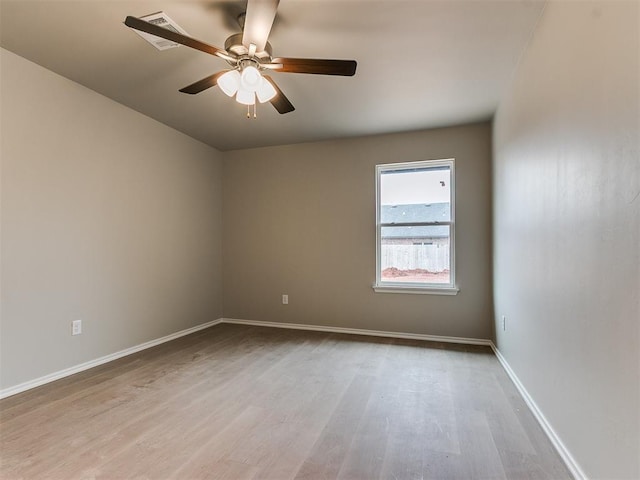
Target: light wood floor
240 402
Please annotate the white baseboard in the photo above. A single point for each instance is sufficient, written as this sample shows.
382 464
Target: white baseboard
7 392
359 331
562 450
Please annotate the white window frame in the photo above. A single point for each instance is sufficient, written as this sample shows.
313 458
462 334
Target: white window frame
406 287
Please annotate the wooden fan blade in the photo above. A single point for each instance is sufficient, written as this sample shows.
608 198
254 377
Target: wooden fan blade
280 101
200 85
345 68
258 21
176 37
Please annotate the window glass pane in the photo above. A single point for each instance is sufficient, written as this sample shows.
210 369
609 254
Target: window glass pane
415 195
418 212
415 254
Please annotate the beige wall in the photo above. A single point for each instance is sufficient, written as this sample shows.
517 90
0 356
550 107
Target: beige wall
567 242
300 220
107 216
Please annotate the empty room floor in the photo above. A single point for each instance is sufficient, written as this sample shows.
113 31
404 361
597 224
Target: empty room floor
243 402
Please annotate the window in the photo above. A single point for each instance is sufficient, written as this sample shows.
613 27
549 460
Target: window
415 227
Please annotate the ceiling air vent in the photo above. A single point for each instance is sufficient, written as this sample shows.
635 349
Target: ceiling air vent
161 19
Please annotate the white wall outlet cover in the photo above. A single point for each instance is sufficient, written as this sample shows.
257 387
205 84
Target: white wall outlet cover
285 299
76 327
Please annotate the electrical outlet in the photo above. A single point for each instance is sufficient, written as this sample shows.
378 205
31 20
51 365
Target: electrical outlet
504 322
76 327
285 299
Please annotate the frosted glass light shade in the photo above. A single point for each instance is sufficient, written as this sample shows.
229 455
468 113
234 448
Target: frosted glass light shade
245 97
250 79
265 91
229 82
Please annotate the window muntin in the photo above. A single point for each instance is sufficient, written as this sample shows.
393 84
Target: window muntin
415 225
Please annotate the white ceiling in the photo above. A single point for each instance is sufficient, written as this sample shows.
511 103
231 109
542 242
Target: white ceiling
421 63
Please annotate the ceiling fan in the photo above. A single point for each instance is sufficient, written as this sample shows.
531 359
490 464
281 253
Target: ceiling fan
249 54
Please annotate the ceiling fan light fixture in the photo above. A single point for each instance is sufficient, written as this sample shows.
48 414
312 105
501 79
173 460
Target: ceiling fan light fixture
248 53
229 83
246 97
265 91
250 78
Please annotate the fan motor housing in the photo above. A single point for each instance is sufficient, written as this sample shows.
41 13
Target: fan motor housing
233 44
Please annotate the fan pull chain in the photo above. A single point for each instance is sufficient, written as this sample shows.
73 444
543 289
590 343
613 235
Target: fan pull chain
255 106
254 111
248 111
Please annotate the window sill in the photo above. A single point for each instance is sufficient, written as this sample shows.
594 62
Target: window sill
416 289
